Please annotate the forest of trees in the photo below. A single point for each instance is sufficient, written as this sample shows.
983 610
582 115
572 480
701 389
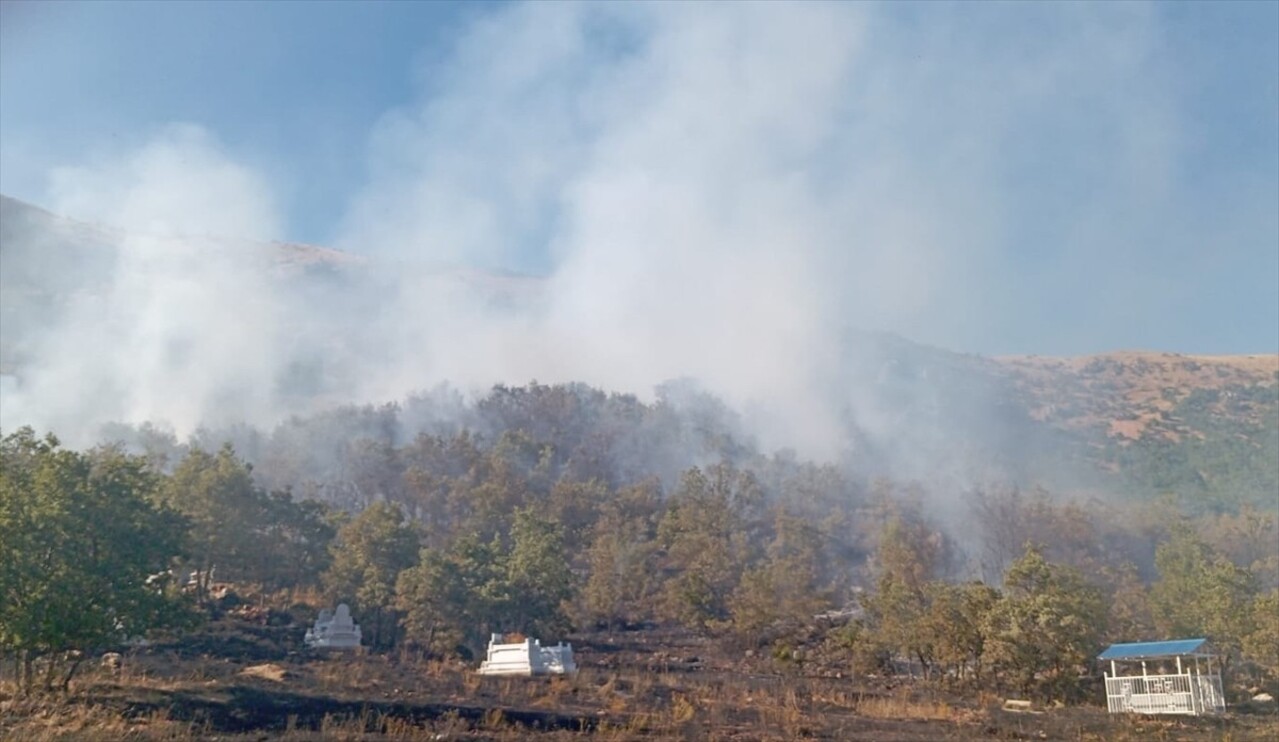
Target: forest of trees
548 509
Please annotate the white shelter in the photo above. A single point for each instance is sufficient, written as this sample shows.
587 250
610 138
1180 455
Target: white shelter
334 630
1183 681
527 657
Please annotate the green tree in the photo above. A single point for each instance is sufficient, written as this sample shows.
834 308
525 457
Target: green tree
1200 592
242 532
575 506
1128 615
295 541
217 495
83 552
783 592
453 599
705 544
538 580
956 623
1261 645
370 552
1248 538
1048 624
909 556
622 585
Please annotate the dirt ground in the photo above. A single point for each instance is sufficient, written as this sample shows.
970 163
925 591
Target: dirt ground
242 681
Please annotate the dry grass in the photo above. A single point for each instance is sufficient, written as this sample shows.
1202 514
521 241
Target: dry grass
896 707
159 695
269 671
56 720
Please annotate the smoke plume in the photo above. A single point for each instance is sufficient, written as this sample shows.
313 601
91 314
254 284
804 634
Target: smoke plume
628 194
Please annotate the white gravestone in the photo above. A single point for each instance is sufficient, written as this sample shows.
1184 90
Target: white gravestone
334 631
527 657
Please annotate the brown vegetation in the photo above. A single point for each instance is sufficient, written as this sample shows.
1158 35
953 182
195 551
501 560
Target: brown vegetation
1129 394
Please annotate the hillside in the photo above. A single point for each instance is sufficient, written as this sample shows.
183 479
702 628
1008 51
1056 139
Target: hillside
24 226
1129 423
1203 427
49 263
1131 395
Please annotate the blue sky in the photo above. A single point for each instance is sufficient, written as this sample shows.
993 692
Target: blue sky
294 87
994 178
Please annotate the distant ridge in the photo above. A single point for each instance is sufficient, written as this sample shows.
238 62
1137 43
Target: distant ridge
16 214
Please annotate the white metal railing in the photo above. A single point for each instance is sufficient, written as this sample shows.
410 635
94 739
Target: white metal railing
1165 694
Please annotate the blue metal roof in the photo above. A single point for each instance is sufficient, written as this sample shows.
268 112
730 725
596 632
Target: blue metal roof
1150 650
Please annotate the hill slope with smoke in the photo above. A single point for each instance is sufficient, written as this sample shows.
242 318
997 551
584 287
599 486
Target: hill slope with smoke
104 325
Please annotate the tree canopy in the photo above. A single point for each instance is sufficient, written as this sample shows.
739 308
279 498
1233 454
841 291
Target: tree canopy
84 549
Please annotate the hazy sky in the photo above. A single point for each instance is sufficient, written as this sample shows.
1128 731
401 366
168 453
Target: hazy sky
996 178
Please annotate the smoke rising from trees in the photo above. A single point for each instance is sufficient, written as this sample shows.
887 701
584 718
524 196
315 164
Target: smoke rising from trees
709 193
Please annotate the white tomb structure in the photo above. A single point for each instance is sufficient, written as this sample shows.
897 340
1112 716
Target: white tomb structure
334 630
1169 677
527 657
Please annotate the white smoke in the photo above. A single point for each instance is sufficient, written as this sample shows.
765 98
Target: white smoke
671 183
185 328
714 191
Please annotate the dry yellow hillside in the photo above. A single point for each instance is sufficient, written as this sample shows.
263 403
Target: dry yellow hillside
1129 394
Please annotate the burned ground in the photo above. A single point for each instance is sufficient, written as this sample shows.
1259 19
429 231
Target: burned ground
239 680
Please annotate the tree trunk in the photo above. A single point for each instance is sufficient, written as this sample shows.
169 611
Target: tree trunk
48 674
203 578
66 680
24 672
927 670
